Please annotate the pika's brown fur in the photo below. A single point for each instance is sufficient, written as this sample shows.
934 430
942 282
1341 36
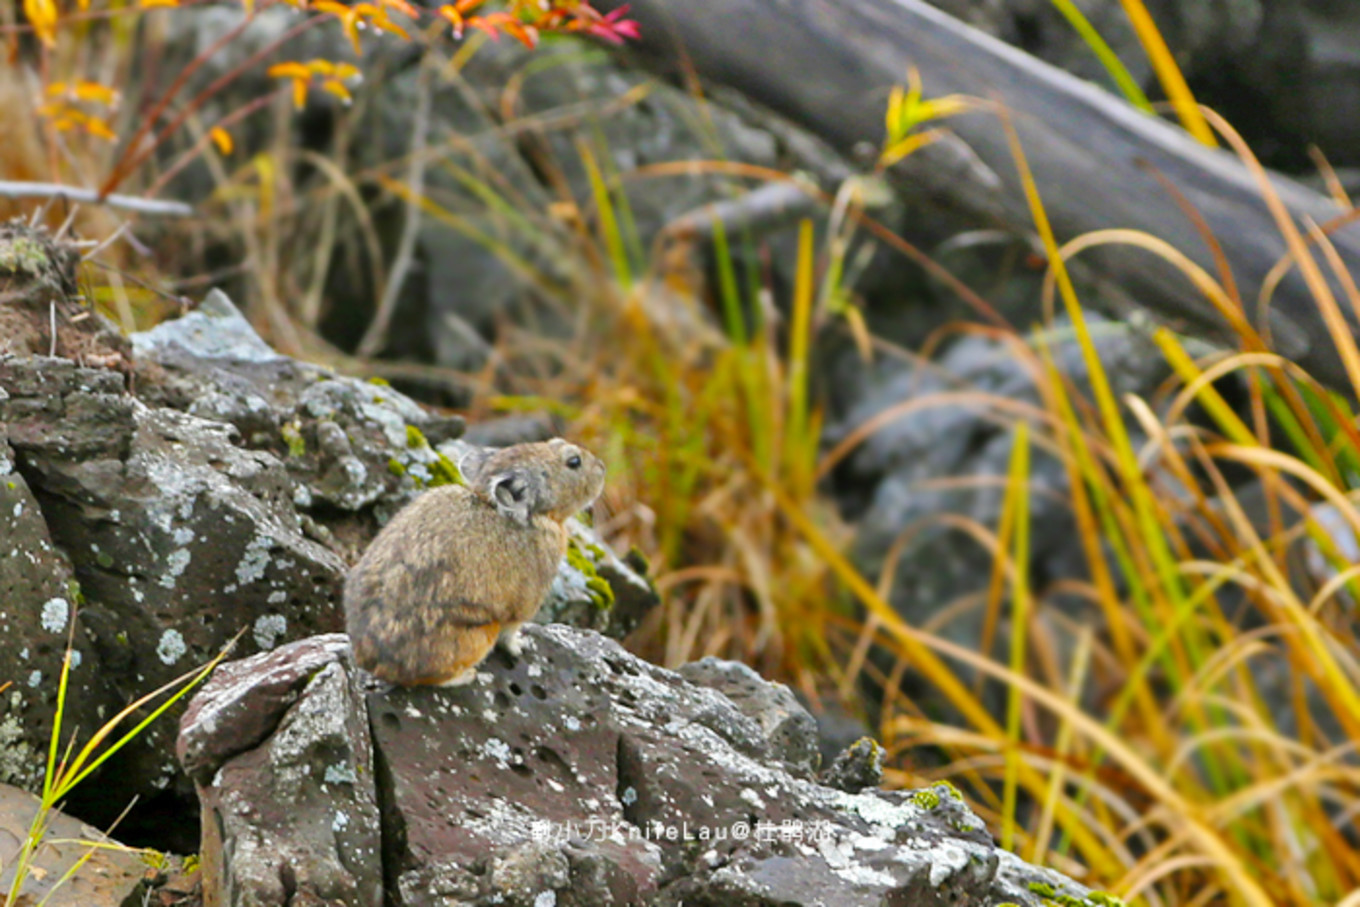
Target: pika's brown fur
461 567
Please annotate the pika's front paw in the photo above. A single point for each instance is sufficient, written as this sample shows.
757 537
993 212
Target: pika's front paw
512 643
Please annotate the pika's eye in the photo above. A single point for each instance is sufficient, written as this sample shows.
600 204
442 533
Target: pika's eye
574 461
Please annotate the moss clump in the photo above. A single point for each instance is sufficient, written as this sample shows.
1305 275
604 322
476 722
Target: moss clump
292 437
1043 889
395 467
601 593
74 593
1102 899
21 255
638 561
949 788
103 559
381 382
415 438
926 799
11 485
444 471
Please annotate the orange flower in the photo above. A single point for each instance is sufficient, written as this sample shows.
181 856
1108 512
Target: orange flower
42 15
330 76
222 139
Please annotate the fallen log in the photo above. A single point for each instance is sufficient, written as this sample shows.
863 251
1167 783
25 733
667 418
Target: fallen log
829 66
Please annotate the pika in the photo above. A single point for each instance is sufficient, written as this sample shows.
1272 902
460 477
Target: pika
462 567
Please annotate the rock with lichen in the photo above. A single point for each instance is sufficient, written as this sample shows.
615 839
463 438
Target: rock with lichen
195 487
574 774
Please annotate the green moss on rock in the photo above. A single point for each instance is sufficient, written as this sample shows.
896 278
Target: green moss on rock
601 593
444 471
292 436
21 255
926 798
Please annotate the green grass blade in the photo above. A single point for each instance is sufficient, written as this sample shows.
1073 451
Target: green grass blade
1017 500
610 234
1107 57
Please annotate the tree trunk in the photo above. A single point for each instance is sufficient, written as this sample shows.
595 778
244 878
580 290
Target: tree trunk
829 65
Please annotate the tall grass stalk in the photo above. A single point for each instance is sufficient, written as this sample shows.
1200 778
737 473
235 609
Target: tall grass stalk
65 769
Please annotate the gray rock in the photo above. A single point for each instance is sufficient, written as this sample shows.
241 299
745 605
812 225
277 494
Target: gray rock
789 730
178 545
347 443
279 750
581 775
893 480
39 591
113 876
858 768
226 496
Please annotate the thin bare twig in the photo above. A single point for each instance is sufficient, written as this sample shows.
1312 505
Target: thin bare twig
12 189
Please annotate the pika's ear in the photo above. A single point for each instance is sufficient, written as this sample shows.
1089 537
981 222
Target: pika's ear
513 497
471 461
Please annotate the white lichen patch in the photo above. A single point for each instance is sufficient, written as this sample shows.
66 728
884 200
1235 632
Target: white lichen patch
497 749
946 861
176 562
268 630
18 760
546 899
752 798
629 796
54 614
340 773
35 679
171 647
340 822
255 559
840 856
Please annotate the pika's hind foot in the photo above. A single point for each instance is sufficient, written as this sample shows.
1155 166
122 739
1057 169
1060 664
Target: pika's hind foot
461 679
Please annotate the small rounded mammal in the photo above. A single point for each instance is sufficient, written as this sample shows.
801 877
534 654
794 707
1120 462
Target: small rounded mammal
461 567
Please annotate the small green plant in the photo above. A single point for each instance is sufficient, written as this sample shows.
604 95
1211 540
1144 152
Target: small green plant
66 768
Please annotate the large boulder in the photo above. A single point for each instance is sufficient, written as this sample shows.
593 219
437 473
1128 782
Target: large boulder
163 495
576 774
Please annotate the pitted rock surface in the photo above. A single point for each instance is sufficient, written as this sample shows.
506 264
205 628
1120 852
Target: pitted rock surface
579 774
37 592
789 730
279 750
